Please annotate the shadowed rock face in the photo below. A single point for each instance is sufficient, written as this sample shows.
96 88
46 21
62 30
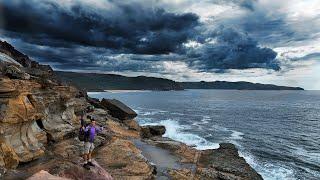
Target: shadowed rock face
150 131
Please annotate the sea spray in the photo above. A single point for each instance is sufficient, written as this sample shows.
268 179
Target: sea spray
175 131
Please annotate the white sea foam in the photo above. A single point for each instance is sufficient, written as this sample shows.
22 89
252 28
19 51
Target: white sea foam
267 170
179 114
93 93
148 113
174 131
236 135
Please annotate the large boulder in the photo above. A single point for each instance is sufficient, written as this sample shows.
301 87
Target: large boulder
150 131
118 110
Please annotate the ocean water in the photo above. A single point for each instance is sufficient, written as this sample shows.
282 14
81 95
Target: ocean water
277 132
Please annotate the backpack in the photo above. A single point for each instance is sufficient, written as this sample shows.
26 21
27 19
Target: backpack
82 134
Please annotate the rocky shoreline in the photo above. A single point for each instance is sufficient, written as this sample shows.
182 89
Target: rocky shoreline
39 125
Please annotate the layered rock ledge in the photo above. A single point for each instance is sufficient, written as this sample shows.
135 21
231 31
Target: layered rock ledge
39 125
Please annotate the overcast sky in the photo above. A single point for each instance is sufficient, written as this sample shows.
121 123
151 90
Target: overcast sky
266 41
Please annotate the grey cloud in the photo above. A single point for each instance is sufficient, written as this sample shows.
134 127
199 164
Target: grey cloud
232 50
132 28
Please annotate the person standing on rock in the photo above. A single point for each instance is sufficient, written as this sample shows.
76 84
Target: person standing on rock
91 131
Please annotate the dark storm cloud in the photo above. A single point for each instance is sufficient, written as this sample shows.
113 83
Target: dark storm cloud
128 36
227 48
131 28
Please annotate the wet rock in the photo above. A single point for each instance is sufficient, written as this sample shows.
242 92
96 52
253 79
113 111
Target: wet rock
15 72
214 164
118 110
186 153
150 131
224 163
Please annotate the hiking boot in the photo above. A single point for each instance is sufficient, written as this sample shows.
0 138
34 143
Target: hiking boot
90 164
86 166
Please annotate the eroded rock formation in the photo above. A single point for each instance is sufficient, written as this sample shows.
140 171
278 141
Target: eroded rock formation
32 113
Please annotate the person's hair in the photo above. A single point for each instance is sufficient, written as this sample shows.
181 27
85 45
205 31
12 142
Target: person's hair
92 119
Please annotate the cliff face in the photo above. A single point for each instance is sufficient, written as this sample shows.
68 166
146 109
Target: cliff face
38 128
33 111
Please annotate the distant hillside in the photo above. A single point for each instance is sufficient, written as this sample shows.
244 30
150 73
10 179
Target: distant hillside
100 82
235 85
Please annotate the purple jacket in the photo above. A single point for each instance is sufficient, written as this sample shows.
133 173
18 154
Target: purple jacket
93 130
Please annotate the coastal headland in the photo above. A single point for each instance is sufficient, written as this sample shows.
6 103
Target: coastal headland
39 124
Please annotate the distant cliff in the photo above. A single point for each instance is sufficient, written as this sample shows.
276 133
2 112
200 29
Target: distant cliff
241 85
100 82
